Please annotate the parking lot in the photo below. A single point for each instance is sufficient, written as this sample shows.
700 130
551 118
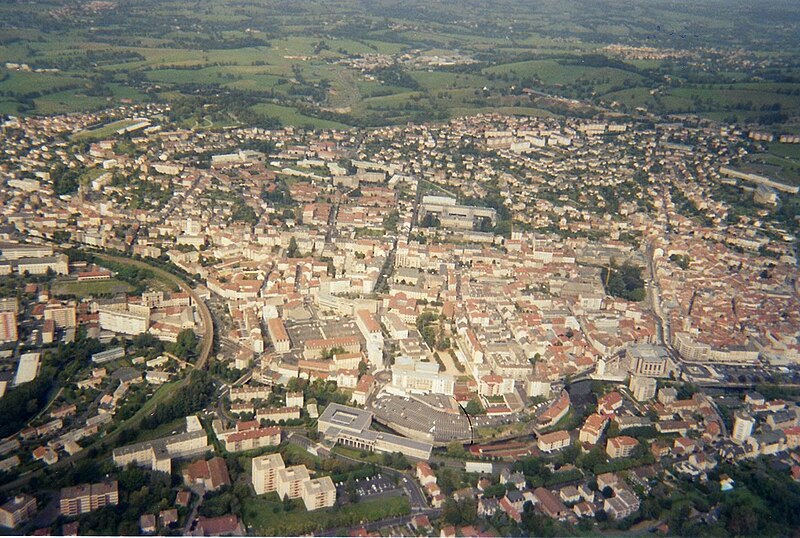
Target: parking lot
368 487
303 331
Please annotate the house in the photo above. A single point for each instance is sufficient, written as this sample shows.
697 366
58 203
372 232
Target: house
570 494
515 499
608 404
228 525
510 510
487 506
168 517
549 504
211 474
45 454
659 449
183 498
623 504
425 474
584 509
147 523
684 445
516 478
421 523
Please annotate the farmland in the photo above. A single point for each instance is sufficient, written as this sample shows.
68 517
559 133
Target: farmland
342 63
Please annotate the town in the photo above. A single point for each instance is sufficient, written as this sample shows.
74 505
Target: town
488 326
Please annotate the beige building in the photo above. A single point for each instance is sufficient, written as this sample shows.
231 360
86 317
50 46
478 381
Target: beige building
319 493
158 453
290 481
265 473
125 321
742 426
17 510
548 442
278 335
252 439
621 447
64 316
642 387
8 327
85 498
58 263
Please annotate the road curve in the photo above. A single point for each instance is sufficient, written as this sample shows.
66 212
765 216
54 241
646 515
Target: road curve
202 308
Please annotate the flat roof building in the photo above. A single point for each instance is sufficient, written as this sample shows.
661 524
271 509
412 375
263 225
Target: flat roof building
350 426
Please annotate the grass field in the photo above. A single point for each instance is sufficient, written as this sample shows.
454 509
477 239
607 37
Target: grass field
86 289
102 132
290 116
265 515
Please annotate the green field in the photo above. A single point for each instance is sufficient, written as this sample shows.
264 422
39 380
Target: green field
86 289
260 63
265 515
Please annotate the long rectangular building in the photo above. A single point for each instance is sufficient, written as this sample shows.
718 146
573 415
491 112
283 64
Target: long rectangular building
158 453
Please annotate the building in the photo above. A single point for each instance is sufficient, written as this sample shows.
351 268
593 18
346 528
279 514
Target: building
8 327
371 331
290 481
108 355
76 500
251 439
64 315
319 493
350 427
622 504
421 377
158 453
211 474
27 369
550 504
249 393
279 413
667 395
743 424
642 387
451 215
228 525
278 335
265 473
592 429
17 510
58 264
125 321
649 360
621 447
556 411
549 442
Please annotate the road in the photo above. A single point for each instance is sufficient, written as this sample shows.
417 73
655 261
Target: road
380 524
202 308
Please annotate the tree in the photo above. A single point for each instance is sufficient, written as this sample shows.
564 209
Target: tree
474 407
186 345
292 251
456 450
